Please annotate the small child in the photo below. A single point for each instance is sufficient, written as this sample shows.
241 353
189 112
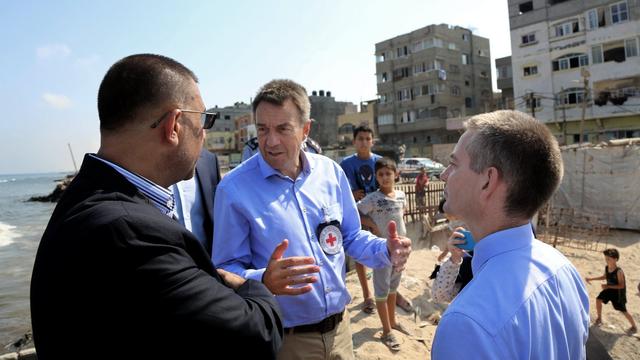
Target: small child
614 290
382 206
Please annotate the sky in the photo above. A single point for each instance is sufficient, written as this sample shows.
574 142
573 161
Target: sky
55 54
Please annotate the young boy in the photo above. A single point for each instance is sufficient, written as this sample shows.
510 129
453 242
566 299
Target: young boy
380 207
614 290
359 169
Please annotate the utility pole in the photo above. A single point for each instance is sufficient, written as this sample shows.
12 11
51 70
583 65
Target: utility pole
585 95
73 159
532 105
564 118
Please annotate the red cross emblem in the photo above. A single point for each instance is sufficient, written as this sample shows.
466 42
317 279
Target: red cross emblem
331 239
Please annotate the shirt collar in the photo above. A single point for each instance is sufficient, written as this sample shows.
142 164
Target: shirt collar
500 242
160 197
266 170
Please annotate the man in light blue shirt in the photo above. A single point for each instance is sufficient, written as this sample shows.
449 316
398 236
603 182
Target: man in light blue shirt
286 217
526 300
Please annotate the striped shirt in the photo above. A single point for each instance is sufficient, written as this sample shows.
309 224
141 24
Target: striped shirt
162 198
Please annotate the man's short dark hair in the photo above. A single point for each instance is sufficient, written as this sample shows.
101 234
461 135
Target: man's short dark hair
278 91
362 128
387 163
612 253
525 153
138 82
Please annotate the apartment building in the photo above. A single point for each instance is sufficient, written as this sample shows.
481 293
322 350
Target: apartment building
504 74
426 76
228 114
325 111
576 65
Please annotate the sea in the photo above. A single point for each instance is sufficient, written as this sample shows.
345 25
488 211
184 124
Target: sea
21 226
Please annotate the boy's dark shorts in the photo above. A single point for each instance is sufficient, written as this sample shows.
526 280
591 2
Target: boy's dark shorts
612 295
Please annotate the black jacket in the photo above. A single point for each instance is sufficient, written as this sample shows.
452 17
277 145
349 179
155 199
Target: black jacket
116 278
208 176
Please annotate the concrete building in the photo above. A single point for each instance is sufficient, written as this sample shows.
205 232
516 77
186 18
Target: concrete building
245 130
226 120
505 83
348 122
573 57
427 76
325 111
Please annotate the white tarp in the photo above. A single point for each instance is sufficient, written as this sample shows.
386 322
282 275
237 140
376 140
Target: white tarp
603 180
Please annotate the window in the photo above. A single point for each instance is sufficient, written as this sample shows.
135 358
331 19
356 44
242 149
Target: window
483 52
525 7
452 46
528 39
529 101
530 70
630 48
419 68
227 117
438 42
404 94
384 77
408 117
383 98
402 51
455 90
380 58
567 28
386 119
465 59
614 51
571 96
468 102
418 46
570 62
619 12
465 37
504 72
592 18
596 54
400 73
483 74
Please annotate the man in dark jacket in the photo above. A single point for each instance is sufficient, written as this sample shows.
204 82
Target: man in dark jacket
115 275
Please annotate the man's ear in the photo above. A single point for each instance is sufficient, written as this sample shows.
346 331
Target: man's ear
306 128
172 126
492 180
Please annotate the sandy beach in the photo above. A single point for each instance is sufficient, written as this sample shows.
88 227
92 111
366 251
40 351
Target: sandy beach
416 286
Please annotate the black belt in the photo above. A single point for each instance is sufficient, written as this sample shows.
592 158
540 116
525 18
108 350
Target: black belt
322 327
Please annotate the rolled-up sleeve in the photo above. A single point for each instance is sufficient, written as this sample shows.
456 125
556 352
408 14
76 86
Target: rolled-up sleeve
231 244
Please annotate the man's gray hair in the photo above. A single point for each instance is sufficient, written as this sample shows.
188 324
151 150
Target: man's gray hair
524 152
278 91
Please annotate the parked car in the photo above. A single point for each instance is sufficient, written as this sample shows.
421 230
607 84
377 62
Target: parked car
410 167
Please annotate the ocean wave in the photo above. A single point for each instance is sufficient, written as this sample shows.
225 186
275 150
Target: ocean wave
7 234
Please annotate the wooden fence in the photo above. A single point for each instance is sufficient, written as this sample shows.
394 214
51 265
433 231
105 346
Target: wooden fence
571 228
435 191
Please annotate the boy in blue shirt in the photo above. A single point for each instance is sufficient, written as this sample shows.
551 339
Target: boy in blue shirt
359 169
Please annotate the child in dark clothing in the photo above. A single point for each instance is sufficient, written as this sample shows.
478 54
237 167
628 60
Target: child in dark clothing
614 290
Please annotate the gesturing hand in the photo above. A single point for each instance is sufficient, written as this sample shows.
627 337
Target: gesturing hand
399 247
232 280
282 274
454 239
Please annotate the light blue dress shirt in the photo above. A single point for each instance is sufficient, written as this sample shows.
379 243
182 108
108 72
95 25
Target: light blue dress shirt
526 301
189 207
256 207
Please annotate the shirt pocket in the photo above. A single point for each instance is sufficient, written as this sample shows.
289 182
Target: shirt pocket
332 212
